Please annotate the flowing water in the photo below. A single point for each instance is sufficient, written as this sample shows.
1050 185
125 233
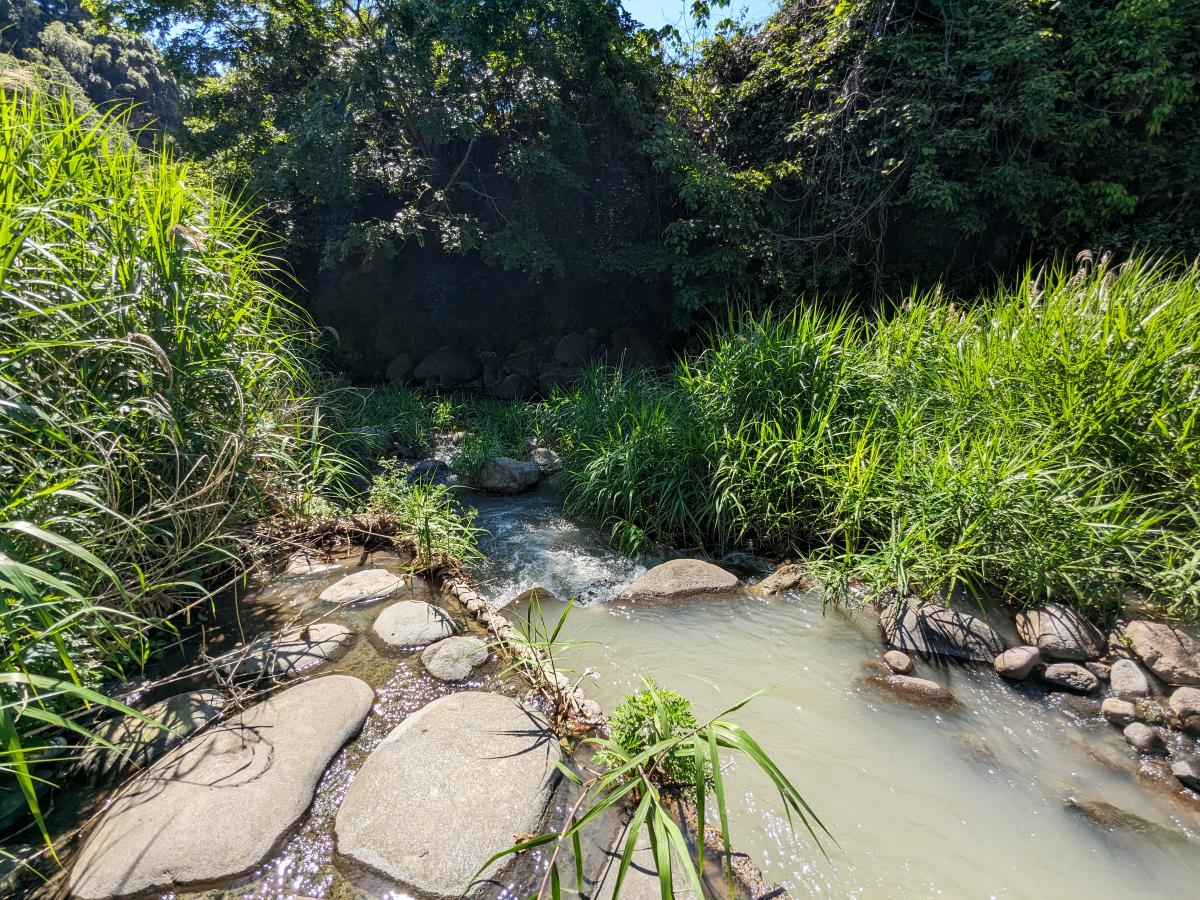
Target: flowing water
1003 795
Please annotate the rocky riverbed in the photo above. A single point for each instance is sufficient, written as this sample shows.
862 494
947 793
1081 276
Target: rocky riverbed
356 735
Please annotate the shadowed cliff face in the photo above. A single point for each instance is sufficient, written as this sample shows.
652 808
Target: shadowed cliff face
420 299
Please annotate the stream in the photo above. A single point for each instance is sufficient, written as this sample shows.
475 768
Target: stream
1004 795
1009 793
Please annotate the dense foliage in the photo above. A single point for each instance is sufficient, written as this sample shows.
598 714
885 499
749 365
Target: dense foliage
418 155
152 398
1043 444
950 140
111 66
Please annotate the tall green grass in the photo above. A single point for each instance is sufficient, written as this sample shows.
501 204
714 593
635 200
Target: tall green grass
152 402
1042 443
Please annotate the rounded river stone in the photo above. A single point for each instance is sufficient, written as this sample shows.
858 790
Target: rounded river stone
412 623
681 578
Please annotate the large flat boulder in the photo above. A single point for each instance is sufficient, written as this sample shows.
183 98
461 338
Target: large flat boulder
412 623
290 653
932 630
681 578
216 807
1060 633
140 743
453 784
365 586
1169 652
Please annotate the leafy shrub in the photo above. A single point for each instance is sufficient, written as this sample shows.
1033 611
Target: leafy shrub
644 719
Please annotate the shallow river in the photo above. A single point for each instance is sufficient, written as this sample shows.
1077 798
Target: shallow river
971 802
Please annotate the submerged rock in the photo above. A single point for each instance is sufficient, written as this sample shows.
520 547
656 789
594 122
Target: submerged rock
291 653
503 475
681 578
454 783
364 586
1114 819
455 658
912 688
140 743
1144 738
1060 633
412 623
1126 679
788 577
1016 664
1185 703
1169 652
217 806
933 630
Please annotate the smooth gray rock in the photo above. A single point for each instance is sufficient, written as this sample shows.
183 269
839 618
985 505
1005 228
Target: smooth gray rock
412 623
1169 652
1185 703
455 658
1188 772
1119 712
641 880
788 577
139 743
681 578
1016 664
503 475
899 662
452 784
1071 677
217 806
1126 679
1144 738
365 585
449 366
1060 633
933 630
291 653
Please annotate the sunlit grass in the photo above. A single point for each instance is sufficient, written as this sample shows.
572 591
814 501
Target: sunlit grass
1041 443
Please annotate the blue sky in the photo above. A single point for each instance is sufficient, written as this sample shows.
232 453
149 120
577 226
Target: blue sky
656 13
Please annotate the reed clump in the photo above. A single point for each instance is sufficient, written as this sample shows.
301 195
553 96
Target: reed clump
1039 443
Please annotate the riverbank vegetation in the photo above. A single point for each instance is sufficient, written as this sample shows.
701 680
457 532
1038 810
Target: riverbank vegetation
1039 443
